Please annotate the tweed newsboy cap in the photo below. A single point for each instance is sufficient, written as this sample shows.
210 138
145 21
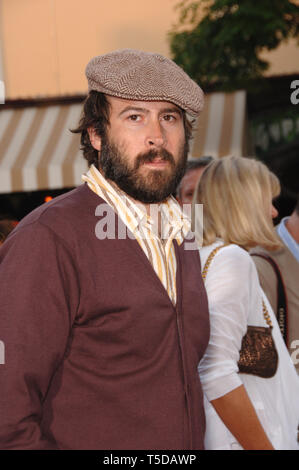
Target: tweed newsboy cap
144 76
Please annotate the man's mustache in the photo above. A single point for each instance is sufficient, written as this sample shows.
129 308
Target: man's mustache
151 155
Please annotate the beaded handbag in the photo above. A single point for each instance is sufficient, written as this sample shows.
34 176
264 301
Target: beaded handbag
258 354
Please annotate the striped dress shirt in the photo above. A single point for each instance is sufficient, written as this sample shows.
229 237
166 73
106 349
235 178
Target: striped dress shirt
154 231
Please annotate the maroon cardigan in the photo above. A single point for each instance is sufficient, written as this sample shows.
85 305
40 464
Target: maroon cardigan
96 355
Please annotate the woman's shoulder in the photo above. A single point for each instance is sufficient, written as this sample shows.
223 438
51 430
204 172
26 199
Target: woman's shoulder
225 253
231 267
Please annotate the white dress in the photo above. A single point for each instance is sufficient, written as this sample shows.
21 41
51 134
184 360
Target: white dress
235 300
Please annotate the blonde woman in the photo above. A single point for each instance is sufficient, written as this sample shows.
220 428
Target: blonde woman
243 411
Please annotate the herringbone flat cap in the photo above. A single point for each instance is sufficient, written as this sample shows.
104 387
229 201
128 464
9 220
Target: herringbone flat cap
144 76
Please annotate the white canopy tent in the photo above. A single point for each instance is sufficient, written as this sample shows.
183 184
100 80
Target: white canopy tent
38 151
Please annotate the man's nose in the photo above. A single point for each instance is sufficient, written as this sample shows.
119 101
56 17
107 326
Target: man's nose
155 136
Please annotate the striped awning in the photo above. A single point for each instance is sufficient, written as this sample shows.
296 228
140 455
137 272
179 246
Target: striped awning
37 150
221 128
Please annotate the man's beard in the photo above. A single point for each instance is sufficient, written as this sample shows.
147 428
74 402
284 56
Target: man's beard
151 187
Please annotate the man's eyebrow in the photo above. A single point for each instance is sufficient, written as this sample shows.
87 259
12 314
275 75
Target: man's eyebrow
133 108
145 110
172 110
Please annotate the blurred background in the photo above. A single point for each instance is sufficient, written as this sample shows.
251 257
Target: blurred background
244 54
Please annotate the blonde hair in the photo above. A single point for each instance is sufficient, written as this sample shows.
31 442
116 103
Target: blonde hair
236 193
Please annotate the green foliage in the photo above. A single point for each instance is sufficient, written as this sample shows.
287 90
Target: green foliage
222 48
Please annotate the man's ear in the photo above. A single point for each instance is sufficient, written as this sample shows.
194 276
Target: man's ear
95 139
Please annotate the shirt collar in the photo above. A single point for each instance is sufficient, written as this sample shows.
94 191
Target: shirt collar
287 238
174 220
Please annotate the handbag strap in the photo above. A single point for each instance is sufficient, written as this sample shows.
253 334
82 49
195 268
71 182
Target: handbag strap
205 272
282 303
209 260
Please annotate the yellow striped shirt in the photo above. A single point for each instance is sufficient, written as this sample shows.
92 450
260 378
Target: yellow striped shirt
157 244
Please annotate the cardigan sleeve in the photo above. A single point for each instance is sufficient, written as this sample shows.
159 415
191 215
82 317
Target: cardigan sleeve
37 275
229 283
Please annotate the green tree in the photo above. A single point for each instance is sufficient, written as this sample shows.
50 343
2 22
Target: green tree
221 49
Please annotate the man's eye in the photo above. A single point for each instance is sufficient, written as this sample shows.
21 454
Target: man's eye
134 117
169 117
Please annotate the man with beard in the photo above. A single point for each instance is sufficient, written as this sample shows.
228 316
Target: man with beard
103 333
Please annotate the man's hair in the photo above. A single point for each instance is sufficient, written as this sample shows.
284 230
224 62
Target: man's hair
236 193
194 164
95 114
6 226
297 206
199 162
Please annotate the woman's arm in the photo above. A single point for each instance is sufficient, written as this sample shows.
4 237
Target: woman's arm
234 294
236 411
